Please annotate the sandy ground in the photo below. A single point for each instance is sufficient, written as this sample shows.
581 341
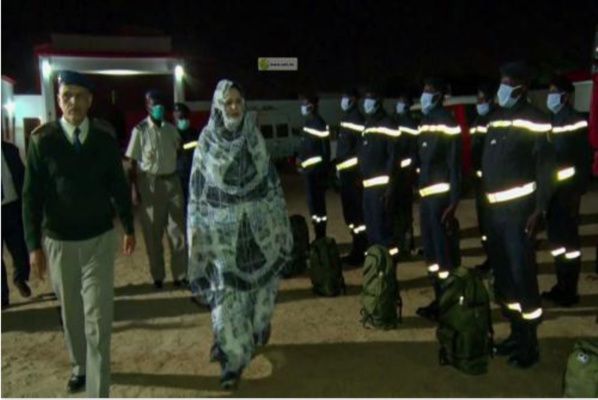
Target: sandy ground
161 340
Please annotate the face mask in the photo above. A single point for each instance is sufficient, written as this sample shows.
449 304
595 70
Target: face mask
553 102
483 108
182 124
158 112
505 98
401 107
427 102
370 106
304 110
346 103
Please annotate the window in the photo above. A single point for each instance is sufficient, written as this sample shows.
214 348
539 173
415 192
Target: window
282 130
267 131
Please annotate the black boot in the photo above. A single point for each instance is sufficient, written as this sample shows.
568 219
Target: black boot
528 350
320 229
564 293
357 254
432 310
508 347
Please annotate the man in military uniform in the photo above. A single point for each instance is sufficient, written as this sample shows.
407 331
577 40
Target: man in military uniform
573 160
376 162
517 173
188 135
153 148
484 108
314 159
439 154
349 141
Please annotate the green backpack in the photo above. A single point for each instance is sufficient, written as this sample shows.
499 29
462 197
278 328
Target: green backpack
380 296
465 324
300 252
581 377
325 268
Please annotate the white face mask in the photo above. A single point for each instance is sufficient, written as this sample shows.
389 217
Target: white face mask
370 106
346 103
505 93
401 107
305 110
427 102
554 102
483 108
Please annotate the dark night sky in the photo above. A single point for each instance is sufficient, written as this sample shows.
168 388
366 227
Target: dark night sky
339 43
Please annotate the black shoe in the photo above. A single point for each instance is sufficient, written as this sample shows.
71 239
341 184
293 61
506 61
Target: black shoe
525 361
230 380
508 347
75 384
560 298
181 283
23 288
431 311
158 284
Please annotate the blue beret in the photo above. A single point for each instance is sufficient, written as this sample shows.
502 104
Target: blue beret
75 78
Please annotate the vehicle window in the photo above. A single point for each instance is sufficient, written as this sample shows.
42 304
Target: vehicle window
282 130
267 131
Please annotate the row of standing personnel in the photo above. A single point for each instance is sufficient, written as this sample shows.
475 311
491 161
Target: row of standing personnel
527 167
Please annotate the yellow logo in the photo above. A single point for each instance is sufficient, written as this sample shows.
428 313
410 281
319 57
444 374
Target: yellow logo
263 64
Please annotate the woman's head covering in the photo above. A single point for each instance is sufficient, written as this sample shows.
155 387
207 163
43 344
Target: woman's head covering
238 225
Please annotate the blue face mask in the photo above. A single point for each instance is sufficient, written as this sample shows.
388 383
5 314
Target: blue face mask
304 110
505 95
483 108
401 107
370 106
182 124
158 112
427 102
346 103
553 102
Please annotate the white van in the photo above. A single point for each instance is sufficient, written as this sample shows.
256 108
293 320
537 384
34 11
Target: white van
281 140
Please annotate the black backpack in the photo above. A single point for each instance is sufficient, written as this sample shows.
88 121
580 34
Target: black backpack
325 268
300 252
380 297
465 324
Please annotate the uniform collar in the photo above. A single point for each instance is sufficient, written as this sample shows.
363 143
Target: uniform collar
69 129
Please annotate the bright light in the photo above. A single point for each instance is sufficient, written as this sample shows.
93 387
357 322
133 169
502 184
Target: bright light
10 107
179 72
117 72
46 69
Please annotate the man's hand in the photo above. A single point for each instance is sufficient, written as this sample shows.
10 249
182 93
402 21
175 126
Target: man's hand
531 227
129 245
37 259
448 215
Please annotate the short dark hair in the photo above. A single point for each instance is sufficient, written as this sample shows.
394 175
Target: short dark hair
154 94
351 92
519 71
488 89
311 98
182 108
562 83
437 83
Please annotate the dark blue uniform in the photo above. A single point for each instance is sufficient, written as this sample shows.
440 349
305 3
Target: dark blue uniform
517 173
376 164
185 159
478 136
314 155
439 159
351 186
402 202
573 160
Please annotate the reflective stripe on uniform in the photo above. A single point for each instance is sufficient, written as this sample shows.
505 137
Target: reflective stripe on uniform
565 173
377 181
408 130
522 123
352 126
311 161
478 129
317 219
351 162
514 307
383 130
433 268
532 315
394 251
190 145
512 194
479 174
558 252
570 128
435 189
573 254
315 132
449 130
405 162
359 229
443 274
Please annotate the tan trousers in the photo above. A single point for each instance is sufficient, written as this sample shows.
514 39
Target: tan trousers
162 210
82 274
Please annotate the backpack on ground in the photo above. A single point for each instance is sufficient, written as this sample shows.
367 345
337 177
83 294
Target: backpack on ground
380 296
300 252
465 323
325 268
581 376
